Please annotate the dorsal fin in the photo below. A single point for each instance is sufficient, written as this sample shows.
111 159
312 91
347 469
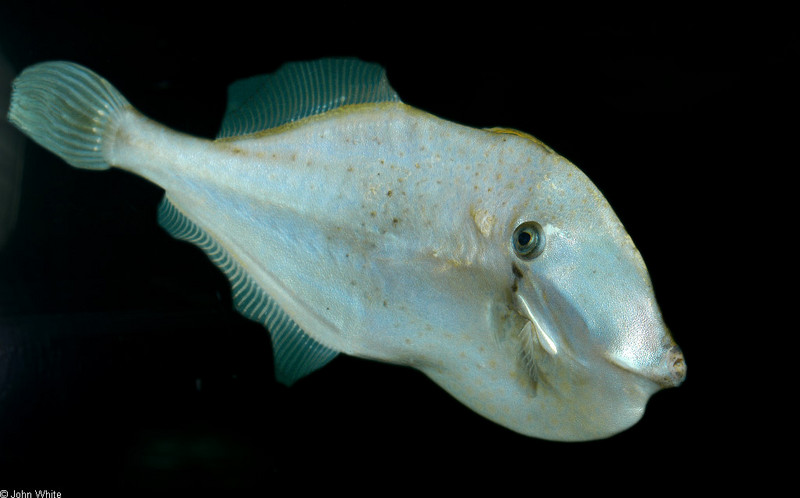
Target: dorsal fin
301 89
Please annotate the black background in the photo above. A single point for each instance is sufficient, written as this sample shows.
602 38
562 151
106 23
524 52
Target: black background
123 366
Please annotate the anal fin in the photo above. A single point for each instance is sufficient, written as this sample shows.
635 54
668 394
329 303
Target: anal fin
296 353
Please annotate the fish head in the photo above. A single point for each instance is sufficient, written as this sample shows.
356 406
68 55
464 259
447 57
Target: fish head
586 345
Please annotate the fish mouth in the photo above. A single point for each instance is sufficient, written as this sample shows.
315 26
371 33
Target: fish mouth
670 372
676 368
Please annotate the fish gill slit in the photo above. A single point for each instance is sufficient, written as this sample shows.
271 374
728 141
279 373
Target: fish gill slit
525 338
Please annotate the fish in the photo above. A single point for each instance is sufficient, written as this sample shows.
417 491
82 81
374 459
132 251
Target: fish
350 222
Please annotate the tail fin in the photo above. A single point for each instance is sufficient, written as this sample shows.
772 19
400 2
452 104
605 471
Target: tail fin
68 110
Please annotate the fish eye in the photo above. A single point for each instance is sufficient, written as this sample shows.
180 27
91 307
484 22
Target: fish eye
528 240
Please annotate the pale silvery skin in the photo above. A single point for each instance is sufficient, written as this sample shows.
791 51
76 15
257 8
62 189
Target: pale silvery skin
387 233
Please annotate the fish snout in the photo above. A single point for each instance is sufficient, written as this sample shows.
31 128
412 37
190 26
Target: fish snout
676 368
668 369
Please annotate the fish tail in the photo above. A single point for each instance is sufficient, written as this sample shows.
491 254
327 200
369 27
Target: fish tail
69 110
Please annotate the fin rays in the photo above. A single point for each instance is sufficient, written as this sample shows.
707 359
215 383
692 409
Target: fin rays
301 89
296 353
67 109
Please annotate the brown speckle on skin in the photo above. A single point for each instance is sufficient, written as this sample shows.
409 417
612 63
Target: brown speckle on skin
516 271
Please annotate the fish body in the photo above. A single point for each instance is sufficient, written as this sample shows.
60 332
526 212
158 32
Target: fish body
348 221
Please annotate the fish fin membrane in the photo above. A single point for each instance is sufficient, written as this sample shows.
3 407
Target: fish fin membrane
301 89
296 353
538 355
67 109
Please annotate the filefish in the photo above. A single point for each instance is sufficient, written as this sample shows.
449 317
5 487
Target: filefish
350 222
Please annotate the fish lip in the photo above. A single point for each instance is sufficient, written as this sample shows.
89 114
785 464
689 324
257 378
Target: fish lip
676 367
